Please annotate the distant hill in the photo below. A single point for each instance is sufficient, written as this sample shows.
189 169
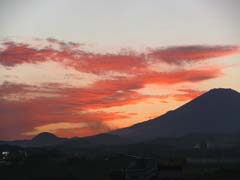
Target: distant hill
45 139
48 139
42 139
216 111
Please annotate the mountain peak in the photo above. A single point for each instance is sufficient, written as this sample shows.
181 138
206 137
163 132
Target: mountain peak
44 136
216 111
45 139
214 99
222 91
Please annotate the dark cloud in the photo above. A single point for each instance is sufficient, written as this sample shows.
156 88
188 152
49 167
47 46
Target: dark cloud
181 54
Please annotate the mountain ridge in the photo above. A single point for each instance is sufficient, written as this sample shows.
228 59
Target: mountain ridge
216 104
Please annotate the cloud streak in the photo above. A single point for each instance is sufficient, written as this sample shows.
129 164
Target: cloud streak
195 53
15 53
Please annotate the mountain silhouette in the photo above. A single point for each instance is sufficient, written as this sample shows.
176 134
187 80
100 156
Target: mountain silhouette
48 139
45 138
216 111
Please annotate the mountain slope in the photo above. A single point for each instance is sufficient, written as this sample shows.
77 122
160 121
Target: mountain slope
217 111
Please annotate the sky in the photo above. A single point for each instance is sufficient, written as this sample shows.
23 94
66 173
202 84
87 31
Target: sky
84 67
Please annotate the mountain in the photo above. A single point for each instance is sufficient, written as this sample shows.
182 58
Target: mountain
45 136
216 111
45 139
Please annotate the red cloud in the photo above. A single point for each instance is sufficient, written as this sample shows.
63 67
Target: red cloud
19 53
178 55
24 107
21 117
72 55
194 75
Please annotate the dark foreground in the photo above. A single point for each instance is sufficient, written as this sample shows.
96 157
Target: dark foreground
107 163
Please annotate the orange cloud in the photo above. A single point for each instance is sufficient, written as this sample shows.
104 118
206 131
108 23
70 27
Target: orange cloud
68 104
27 108
18 118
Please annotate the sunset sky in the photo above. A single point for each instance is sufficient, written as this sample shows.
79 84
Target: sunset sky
83 67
